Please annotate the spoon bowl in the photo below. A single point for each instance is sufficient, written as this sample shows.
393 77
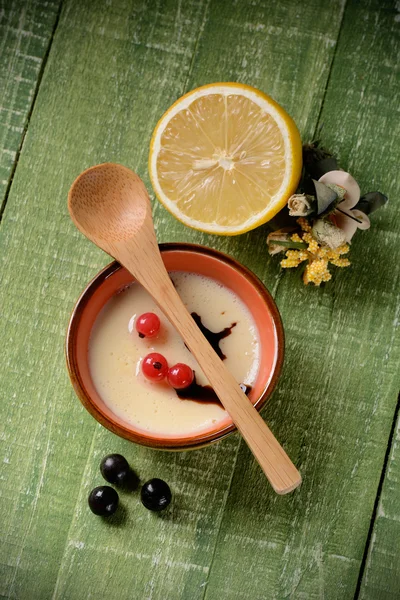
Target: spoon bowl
108 203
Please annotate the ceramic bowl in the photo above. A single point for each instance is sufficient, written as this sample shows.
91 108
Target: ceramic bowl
176 257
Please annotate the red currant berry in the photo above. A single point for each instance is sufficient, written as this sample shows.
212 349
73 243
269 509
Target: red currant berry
154 366
180 376
148 325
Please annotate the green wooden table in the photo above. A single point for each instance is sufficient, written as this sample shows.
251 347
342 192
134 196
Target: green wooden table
83 82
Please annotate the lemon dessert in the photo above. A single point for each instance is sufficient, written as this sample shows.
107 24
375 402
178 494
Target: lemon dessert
142 369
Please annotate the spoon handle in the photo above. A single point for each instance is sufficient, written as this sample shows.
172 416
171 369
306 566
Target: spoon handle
277 466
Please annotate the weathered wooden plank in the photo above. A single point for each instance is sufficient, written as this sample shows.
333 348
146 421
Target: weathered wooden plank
26 28
336 401
381 578
373 91
112 71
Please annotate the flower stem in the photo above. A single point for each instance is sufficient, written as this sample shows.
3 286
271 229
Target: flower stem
289 244
347 215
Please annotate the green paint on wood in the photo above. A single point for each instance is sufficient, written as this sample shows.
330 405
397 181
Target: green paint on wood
379 129
25 32
114 67
368 59
381 578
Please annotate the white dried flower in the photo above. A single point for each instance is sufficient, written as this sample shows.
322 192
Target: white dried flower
347 218
299 205
328 234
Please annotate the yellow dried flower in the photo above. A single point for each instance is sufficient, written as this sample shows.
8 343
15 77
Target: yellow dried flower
323 252
332 254
316 272
293 258
296 238
303 255
312 243
341 262
308 238
318 266
304 224
313 247
318 256
289 263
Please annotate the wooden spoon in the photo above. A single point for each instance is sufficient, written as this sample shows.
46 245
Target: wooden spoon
110 205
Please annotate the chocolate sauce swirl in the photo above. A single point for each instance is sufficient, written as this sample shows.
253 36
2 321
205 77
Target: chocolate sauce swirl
212 337
205 394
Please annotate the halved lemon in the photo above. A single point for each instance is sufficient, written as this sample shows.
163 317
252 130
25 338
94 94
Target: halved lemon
225 158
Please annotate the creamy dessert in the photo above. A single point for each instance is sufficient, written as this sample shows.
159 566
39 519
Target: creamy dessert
117 352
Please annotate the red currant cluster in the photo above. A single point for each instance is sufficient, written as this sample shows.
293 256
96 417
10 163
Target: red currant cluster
154 365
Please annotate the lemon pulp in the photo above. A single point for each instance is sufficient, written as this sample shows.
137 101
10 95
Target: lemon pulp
225 158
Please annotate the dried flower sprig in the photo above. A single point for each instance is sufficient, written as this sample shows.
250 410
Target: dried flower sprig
325 214
316 255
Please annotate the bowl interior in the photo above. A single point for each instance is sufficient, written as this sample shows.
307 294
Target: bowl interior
176 258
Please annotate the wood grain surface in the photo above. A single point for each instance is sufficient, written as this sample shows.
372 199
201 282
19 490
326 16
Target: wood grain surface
382 573
367 115
26 29
113 68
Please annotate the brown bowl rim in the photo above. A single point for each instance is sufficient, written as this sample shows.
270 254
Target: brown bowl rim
190 442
